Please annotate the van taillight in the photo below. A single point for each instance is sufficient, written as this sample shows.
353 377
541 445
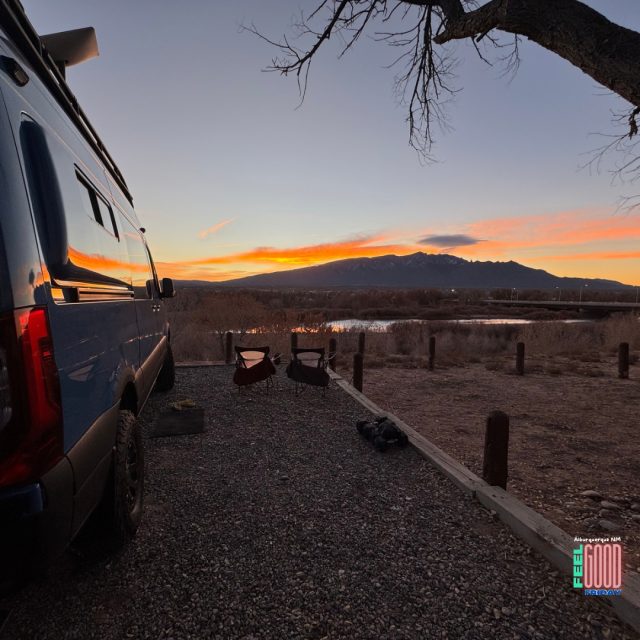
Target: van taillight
31 438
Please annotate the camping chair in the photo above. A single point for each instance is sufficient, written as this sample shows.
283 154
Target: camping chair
253 365
308 367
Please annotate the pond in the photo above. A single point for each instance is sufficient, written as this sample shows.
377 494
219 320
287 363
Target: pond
383 325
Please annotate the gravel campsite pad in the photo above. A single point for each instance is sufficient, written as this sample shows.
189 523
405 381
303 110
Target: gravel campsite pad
280 521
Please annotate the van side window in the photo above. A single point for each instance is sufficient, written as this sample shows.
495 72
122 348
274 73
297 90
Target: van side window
141 273
108 221
86 193
153 269
96 207
70 222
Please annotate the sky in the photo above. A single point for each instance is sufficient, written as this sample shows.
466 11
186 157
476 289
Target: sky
231 175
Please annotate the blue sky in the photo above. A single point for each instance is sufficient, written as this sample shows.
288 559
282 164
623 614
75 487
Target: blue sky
207 140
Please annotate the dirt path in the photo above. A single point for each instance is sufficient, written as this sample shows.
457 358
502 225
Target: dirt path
568 433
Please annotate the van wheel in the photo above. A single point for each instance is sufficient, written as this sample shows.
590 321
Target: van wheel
125 496
167 376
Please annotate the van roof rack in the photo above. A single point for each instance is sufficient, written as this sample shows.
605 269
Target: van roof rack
22 33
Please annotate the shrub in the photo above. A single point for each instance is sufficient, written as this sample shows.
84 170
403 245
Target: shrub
201 317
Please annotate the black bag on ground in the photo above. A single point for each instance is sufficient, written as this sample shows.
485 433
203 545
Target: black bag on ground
382 433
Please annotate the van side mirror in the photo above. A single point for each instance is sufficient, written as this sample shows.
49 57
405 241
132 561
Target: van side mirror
167 288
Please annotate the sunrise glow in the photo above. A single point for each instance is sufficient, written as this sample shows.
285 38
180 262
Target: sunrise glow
590 242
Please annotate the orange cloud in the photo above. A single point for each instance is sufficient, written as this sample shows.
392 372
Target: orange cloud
593 234
310 254
598 255
284 258
214 229
187 272
489 248
565 228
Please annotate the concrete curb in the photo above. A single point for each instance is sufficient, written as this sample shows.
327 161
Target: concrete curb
539 533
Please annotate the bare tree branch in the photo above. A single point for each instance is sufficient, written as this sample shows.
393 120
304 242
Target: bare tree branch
607 52
604 50
624 147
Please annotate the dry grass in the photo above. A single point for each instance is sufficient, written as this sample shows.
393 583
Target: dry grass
582 339
199 323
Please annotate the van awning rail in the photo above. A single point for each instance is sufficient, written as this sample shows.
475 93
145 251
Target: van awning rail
21 32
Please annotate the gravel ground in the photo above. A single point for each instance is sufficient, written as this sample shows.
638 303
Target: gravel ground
280 522
568 434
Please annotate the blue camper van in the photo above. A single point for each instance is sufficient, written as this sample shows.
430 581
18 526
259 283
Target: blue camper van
84 337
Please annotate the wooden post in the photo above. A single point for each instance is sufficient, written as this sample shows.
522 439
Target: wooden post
432 352
294 341
520 358
623 360
358 366
496 450
361 339
228 347
333 353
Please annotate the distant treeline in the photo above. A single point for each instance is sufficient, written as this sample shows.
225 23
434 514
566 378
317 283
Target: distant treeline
371 304
200 317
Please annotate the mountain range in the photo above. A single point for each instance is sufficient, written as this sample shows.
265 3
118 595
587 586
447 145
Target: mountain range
423 270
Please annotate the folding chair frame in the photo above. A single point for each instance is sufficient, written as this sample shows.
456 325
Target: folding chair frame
241 365
301 385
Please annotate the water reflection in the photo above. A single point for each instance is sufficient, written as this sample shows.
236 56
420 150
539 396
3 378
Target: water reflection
383 325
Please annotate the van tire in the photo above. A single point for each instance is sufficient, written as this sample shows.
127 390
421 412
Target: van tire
167 376
124 498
